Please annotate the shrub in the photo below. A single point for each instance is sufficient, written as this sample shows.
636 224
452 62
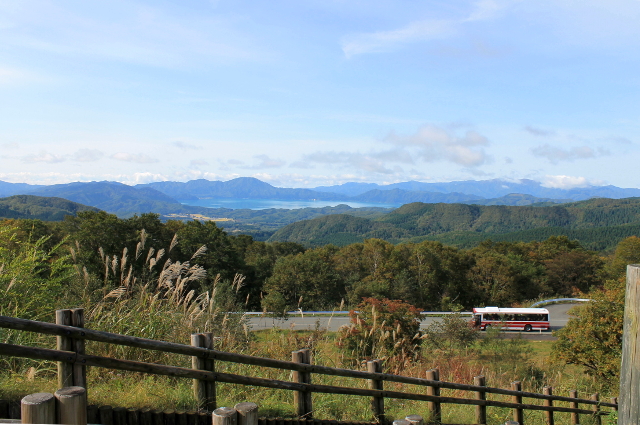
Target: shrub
451 333
382 329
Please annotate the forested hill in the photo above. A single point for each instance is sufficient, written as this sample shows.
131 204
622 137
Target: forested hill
39 207
418 221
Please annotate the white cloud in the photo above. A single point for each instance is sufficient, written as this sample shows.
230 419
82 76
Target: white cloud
384 41
43 156
266 162
87 155
364 162
419 30
130 157
539 131
128 32
142 178
431 143
565 182
198 162
185 146
554 154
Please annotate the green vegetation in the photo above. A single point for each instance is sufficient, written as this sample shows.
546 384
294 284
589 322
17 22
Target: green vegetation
164 280
382 329
279 276
598 224
40 208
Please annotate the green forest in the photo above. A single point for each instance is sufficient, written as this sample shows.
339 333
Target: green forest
599 224
107 253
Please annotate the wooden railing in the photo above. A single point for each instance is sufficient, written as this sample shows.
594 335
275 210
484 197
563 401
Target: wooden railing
73 361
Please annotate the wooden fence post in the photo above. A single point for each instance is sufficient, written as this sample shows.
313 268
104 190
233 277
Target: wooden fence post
39 408
224 416
596 409
79 370
204 390
434 406
302 399
630 381
377 403
481 410
518 413
548 413
575 417
63 343
72 405
247 413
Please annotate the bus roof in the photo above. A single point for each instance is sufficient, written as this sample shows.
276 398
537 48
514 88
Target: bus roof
511 310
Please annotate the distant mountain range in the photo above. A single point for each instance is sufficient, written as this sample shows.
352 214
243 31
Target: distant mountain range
463 216
167 197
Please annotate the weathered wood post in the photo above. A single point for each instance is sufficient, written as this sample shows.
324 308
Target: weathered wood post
247 413
434 406
518 413
224 416
204 390
596 409
481 410
575 417
63 343
79 369
39 408
69 374
302 399
377 403
71 405
629 407
548 403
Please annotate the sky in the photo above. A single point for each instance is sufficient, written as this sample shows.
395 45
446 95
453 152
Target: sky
304 93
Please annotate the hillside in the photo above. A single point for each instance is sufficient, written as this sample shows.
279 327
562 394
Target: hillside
464 223
40 208
116 198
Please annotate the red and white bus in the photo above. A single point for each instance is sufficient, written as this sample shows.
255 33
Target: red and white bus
514 319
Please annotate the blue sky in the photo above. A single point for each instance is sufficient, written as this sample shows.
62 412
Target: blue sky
304 93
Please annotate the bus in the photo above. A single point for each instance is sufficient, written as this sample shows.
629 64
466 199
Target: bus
513 319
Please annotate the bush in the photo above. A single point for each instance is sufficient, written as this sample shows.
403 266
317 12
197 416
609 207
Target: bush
382 329
451 333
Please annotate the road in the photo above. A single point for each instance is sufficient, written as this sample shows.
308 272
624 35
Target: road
558 313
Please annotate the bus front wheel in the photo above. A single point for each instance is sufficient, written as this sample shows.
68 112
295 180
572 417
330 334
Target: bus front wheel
528 328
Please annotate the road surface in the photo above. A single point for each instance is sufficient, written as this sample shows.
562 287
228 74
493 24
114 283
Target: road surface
558 313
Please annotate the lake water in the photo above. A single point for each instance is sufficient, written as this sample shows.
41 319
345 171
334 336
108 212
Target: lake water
263 204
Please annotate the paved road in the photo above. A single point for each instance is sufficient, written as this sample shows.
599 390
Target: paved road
558 313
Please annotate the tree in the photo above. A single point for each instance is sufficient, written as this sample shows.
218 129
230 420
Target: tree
593 336
627 252
221 256
573 271
307 280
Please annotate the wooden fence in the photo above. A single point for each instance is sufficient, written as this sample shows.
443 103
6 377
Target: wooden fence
72 362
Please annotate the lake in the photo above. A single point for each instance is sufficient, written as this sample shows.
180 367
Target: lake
263 204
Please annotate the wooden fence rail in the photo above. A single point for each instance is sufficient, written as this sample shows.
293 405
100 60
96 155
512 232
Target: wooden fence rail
204 375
